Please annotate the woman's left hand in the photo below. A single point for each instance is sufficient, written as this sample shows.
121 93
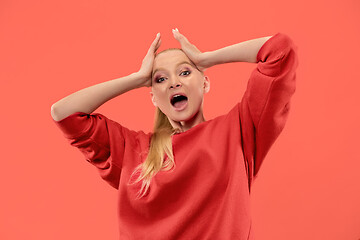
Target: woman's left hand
200 59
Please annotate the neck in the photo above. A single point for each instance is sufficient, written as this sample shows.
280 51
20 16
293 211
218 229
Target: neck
186 125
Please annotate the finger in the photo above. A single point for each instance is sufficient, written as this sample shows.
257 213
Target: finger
157 37
184 42
189 48
154 43
158 45
176 34
180 37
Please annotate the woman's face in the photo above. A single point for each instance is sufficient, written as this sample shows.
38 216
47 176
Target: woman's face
174 73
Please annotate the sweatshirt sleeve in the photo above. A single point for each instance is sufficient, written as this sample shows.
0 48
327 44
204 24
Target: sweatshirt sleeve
101 141
265 105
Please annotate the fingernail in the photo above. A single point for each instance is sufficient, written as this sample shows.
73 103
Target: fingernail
158 34
176 29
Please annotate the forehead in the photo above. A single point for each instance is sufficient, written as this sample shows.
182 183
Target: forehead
169 59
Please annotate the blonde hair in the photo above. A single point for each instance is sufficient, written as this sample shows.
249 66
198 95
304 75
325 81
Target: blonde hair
160 145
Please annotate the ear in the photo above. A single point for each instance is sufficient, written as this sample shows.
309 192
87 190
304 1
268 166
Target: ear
206 84
153 99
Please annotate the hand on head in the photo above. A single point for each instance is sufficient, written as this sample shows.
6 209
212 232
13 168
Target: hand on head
200 59
195 55
147 63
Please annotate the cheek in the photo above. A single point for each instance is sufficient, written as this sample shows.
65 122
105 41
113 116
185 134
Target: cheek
196 97
197 89
160 97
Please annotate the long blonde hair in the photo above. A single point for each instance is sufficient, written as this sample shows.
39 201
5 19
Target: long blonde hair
160 145
156 160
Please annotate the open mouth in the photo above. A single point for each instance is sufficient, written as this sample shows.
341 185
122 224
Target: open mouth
179 101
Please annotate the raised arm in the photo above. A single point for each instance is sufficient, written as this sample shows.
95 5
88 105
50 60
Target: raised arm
264 108
246 51
241 52
89 99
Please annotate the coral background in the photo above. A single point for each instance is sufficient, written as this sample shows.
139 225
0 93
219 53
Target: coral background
308 186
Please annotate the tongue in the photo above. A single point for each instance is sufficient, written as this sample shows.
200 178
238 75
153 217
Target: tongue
180 104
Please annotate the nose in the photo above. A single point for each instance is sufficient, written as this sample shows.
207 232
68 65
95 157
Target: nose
175 83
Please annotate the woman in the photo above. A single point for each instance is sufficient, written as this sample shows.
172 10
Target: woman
190 178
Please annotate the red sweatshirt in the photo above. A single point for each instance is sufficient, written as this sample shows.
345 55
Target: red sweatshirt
207 195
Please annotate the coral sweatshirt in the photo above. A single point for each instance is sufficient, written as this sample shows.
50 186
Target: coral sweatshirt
207 195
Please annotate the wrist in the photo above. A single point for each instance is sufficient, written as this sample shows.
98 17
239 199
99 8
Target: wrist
210 59
140 79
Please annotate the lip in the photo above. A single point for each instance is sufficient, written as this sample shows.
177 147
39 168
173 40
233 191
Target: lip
178 93
182 107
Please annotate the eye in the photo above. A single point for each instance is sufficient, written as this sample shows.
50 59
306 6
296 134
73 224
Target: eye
158 80
185 72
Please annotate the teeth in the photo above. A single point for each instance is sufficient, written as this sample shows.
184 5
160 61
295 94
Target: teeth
177 95
173 99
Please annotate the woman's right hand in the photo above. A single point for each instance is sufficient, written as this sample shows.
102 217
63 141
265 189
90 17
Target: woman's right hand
148 61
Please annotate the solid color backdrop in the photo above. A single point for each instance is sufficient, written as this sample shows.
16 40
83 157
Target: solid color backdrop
308 186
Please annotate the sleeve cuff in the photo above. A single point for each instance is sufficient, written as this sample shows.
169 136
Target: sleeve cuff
74 125
274 44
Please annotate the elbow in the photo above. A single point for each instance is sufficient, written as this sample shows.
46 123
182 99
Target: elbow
53 112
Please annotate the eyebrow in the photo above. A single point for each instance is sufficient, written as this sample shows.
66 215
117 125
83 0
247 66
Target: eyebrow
183 62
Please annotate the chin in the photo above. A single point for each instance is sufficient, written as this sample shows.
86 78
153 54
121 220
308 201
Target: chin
183 116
